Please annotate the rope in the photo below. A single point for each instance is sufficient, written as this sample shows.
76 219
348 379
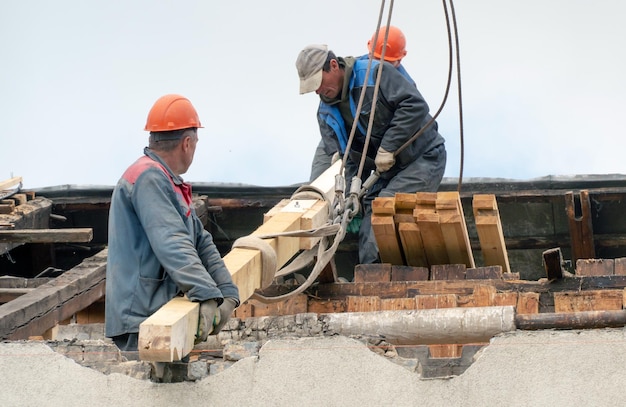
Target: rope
339 219
268 256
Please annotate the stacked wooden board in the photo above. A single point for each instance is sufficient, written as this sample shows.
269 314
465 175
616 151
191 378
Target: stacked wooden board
429 228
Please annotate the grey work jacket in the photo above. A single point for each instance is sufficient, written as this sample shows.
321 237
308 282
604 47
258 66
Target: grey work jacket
157 248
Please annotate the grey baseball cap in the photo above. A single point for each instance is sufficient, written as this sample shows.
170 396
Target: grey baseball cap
309 64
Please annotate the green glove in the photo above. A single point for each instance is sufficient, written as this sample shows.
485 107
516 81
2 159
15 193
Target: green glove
225 310
355 224
209 317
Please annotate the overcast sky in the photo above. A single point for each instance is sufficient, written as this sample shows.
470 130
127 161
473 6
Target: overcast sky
543 83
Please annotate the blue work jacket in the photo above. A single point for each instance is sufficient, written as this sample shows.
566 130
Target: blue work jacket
401 112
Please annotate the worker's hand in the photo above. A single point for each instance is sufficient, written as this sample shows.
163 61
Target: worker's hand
384 160
225 310
355 224
209 317
336 157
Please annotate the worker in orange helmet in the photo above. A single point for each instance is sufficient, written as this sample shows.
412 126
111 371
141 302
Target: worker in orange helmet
324 155
158 247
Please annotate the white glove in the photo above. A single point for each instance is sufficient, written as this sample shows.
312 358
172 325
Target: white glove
384 160
336 157
209 317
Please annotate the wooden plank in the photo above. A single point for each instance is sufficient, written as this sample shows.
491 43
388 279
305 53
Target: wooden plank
620 266
20 199
35 214
484 273
321 306
387 239
384 226
553 263
384 205
74 235
454 229
246 268
41 309
404 288
362 303
597 300
10 183
405 202
448 272
7 206
372 273
432 238
395 304
483 296
412 244
580 225
489 230
505 298
595 267
408 273
527 303
296 304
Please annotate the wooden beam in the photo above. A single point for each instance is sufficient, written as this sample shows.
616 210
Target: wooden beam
454 229
553 263
384 226
34 214
9 183
9 294
394 289
158 343
427 220
170 331
39 310
489 229
412 244
74 235
580 225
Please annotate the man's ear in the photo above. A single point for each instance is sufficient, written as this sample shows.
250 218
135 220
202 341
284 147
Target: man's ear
184 143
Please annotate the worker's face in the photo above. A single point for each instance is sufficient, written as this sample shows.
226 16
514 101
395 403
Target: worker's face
332 81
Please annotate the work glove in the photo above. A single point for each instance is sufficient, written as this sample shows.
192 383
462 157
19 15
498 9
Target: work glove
209 317
336 157
225 310
355 224
384 160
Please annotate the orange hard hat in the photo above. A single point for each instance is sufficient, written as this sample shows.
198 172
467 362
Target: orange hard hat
395 44
172 112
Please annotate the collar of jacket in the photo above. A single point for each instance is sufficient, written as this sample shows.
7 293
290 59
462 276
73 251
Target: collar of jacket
154 156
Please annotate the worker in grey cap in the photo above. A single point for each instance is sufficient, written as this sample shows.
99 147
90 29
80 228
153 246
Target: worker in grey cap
401 112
